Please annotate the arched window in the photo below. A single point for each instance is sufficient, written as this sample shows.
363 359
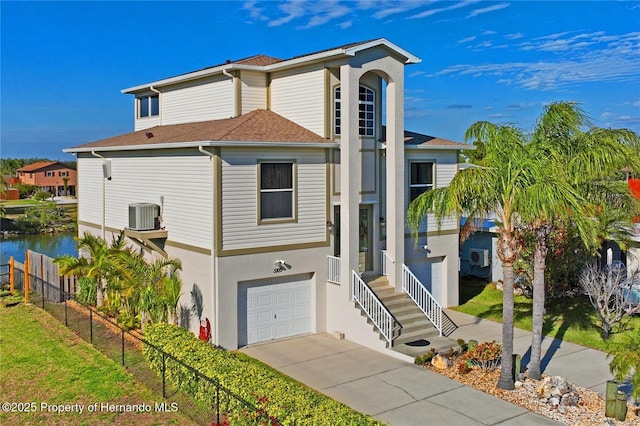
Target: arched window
366 111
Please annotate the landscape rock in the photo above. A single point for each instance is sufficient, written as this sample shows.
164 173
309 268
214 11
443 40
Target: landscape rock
441 362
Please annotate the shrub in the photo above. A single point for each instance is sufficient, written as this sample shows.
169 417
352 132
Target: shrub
425 358
486 355
464 368
269 392
87 291
41 195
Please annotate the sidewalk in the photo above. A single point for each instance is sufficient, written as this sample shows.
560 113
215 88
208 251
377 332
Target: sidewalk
391 390
585 367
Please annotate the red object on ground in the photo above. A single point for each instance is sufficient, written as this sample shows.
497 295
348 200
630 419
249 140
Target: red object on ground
634 187
205 330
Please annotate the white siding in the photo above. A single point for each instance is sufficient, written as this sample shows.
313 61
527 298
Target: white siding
240 229
90 180
300 97
254 91
209 99
183 180
146 122
445 165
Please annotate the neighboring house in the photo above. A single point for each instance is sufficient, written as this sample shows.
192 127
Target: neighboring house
51 176
278 185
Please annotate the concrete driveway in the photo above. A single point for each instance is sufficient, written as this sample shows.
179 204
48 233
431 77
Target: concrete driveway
391 390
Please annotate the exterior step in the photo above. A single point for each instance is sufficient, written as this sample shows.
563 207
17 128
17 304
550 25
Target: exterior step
417 330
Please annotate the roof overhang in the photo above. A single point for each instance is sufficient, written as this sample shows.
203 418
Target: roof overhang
460 147
203 144
306 59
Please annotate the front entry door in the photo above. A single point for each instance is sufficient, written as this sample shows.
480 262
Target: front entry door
365 237
365 241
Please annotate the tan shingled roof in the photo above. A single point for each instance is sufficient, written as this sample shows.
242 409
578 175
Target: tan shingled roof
256 126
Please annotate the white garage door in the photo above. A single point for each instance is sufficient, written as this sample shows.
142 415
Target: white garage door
272 310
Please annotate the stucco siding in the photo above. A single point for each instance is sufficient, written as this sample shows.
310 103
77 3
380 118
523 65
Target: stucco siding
299 96
254 91
211 99
240 227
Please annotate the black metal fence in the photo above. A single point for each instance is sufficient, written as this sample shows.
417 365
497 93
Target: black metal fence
126 348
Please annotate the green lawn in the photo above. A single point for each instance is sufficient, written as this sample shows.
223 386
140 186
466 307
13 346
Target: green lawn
569 318
43 362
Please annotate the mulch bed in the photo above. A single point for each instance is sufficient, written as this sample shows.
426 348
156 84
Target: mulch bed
589 411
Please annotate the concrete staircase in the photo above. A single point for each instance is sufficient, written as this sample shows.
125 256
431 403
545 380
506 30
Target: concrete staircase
418 334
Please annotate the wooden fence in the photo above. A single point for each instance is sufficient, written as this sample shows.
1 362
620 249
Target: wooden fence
38 268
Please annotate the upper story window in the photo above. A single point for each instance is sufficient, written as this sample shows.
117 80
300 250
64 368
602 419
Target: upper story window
49 174
277 198
421 179
148 106
63 173
366 111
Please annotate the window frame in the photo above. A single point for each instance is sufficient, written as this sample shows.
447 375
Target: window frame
293 190
151 109
50 173
366 111
416 185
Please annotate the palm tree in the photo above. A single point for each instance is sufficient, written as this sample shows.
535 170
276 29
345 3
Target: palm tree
99 266
145 284
499 187
582 159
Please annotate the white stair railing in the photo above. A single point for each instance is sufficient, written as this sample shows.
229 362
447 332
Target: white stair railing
421 296
373 307
386 261
333 274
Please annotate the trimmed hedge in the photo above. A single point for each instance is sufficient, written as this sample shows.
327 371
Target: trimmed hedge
271 392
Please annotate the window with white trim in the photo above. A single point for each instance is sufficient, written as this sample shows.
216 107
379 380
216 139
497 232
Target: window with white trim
148 106
366 111
49 174
276 190
421 179
65 173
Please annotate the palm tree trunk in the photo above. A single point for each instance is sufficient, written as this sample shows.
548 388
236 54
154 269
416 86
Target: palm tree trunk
539 264
506 376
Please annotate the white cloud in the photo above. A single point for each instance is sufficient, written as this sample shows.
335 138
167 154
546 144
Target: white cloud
467 40
569 59
488 9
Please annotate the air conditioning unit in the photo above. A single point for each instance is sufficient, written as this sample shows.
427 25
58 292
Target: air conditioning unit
144 216
479 257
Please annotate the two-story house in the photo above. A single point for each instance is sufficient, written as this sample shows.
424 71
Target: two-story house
51 176
283 186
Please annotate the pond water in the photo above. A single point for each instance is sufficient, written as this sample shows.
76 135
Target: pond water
52 245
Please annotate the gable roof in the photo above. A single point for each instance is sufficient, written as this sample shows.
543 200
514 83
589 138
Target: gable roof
34 167
260 126
269 63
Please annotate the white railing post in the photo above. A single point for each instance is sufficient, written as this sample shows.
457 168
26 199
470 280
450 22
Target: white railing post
373 307
386 261
333 274
421 297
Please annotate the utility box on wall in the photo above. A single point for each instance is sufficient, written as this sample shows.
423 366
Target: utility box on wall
144 216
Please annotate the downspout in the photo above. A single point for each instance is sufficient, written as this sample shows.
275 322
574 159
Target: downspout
234 80
104 198
213 245
153 89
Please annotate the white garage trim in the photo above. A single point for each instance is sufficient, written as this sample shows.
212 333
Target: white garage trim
274 308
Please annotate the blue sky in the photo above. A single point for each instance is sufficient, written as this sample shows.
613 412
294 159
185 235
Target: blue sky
63 64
